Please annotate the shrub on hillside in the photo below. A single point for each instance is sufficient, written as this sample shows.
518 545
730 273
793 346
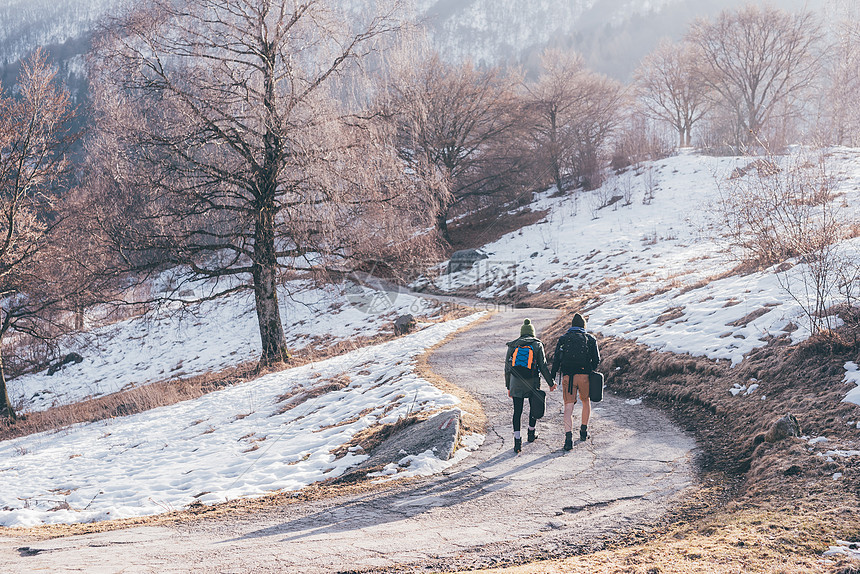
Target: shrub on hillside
783 212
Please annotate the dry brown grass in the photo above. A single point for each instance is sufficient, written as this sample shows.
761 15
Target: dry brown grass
732 543
164 393
299 395
647 296
669 315
752 316
742 269
550 283
127 402
370 438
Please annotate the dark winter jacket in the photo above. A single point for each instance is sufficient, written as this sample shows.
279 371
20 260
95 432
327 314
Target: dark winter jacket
516 384
593 353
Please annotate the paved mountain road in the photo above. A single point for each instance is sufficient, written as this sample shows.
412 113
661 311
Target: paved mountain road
491 508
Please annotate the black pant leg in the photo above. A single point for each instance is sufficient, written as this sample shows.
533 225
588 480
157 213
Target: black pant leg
532 402
518 411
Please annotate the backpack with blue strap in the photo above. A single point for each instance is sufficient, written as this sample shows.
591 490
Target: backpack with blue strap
524 361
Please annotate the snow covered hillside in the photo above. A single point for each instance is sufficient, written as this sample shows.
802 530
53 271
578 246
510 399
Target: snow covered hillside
26 24
661 265
274 433
218 335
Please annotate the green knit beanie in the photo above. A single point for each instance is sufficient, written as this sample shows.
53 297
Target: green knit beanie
527 330
578 321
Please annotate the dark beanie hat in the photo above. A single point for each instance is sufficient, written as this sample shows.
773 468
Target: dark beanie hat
578 321
527 330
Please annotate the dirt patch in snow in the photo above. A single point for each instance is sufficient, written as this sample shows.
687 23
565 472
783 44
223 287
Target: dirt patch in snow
488 225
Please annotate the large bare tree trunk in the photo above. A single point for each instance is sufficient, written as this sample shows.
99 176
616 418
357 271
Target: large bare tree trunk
274 344
255 159
265 264
442 223
6 408
554 151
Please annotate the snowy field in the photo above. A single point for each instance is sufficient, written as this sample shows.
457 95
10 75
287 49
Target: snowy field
660 261
220 334
661 268
237 442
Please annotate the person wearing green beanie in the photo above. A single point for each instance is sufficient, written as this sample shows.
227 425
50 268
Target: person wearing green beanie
524 364
527 330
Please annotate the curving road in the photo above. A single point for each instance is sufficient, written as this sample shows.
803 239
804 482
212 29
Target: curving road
493 508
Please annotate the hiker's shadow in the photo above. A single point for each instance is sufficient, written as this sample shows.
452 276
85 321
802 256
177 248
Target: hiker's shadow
401 502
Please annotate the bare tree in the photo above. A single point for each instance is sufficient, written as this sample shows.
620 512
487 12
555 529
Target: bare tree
228 144
458 130
671 89
574 112
34 137
639 138
840 110
595 120
552 101
755 60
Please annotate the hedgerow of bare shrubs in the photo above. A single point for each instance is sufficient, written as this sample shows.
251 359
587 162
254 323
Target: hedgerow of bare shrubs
783 213
124 403
143 398
766 212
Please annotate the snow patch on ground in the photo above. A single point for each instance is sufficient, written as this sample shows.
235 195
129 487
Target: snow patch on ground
852 375
236 442
844 549
220 334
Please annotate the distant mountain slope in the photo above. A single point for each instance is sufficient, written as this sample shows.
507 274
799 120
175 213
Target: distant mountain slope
612 34
490 31
26 24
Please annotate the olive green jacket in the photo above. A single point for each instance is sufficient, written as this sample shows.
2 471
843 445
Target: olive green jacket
516 384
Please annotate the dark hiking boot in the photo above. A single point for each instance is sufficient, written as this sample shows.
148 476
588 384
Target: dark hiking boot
583 432
568 440
518 444
532 436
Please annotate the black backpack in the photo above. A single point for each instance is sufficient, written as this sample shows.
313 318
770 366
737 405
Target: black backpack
574 352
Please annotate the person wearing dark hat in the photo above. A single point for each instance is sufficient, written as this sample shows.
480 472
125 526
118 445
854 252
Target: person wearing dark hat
524 364
576 355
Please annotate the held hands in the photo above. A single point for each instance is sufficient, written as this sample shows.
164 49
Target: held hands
552 388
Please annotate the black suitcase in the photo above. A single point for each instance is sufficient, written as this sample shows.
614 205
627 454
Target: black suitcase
595 386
